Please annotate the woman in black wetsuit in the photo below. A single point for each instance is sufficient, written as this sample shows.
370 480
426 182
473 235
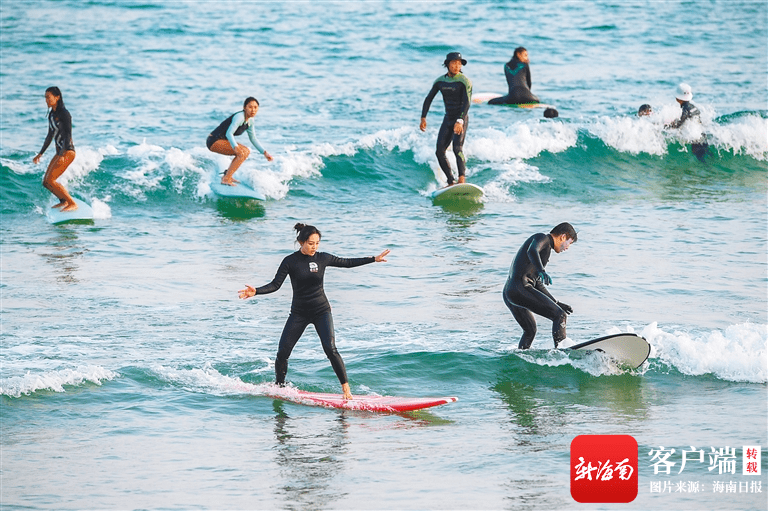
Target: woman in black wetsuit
518 75
60 132
306 267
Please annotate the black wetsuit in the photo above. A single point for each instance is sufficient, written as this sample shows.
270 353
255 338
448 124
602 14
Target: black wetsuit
457 96
518 76
690 112
59 131
309 305
525 293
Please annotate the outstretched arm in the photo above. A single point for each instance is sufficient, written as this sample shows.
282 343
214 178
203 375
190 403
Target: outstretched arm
273 286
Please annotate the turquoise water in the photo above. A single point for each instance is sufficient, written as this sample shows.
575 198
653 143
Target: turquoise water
131 373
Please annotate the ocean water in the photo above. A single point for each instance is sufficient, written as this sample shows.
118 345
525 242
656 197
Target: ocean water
131 375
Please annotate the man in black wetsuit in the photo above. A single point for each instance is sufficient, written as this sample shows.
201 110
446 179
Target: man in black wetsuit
457 96
525 292
690 112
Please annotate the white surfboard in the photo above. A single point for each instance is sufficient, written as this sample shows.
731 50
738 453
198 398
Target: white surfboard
629 349
83 212
484 97
462 191
239 191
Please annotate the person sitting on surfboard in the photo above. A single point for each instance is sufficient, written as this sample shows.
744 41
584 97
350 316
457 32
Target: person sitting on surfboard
684 96
518 75
457 96
525 292
306 268
222 139
60 132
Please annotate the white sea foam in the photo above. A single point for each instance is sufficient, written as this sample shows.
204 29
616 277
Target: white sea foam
55 380
101 210
740 353
634 135
209 380
270 178
744 135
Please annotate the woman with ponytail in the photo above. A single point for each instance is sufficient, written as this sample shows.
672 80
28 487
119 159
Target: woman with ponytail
222 139
306 268
60 132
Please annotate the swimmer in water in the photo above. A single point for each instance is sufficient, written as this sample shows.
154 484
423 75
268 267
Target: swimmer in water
457 96
60 132
306 268
518 74
644 110
525 292
222 139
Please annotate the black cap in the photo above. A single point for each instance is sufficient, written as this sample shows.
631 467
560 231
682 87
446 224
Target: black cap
454 55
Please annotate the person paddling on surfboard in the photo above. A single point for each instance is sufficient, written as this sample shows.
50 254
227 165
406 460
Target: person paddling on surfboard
525 292
60 132
306 268
457 96
518 75
222 139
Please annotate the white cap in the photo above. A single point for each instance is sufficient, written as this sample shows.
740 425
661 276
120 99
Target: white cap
684 92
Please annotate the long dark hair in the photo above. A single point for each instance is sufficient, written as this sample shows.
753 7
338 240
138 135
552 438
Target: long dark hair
514 55
56 92
305 231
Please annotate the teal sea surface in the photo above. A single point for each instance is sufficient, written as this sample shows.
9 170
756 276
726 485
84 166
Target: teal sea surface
132 376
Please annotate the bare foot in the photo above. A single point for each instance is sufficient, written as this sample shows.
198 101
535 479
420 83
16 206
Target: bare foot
70 207
231 182
461 179
346 391
59 205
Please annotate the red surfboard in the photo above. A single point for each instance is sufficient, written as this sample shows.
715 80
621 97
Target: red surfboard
358 402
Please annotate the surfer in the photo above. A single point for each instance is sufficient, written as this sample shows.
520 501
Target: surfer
518 75
306 268
644 110
60 132
457 96
525 292
222 139
684 96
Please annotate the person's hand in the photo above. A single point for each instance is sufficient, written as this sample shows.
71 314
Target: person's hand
248 292
458 128
380 258
545 279
268 156
36 159
567 308
423 124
